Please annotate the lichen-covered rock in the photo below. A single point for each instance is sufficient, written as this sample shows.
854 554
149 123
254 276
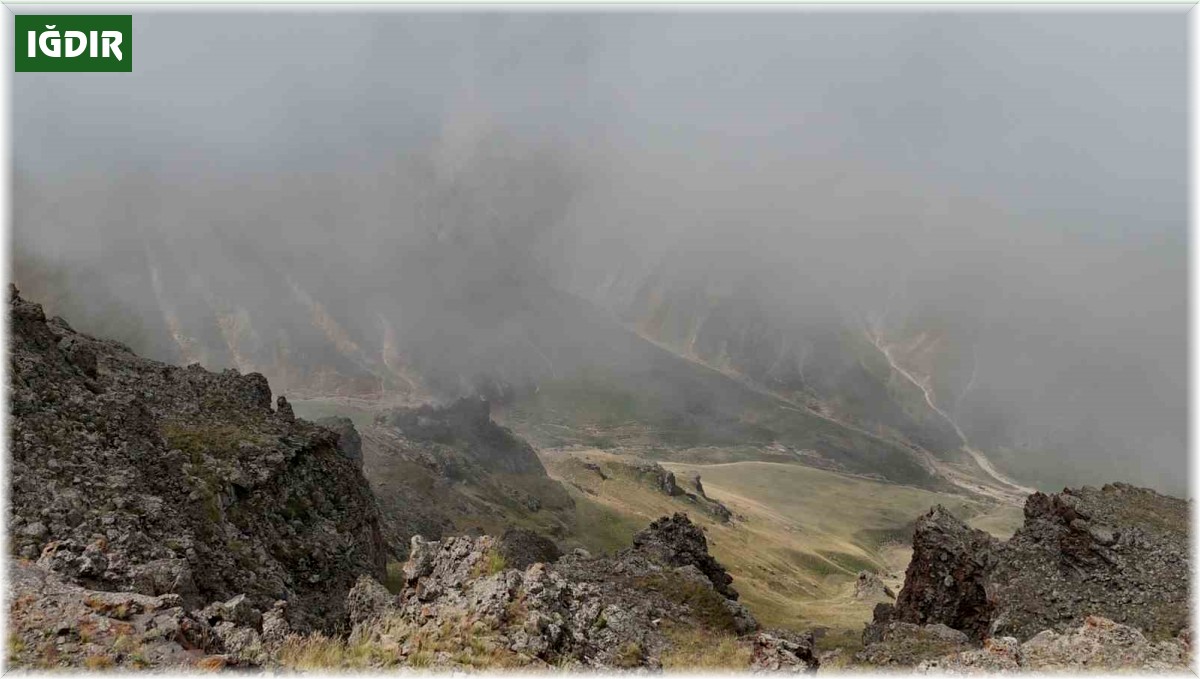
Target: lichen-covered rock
576 610
368 600
131 475
1118 551
945 580
783 651
1098 644
54 624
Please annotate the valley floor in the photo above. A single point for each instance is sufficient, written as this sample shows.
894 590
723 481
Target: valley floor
799 535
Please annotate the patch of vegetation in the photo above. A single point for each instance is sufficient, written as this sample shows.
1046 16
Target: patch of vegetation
814 564
394 582
707 606
15 645
219 440
99 661
317 651
120 611
630 655
601 529
693 649
495 563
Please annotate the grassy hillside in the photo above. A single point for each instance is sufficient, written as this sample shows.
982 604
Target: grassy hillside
800 535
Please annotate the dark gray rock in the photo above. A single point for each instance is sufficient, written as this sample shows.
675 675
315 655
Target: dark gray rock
1117 552
521 548
140 476
676 541
947 576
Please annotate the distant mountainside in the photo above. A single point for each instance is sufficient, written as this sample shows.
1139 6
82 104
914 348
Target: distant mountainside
675 370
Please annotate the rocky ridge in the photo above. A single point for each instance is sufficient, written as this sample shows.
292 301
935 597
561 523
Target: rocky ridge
438 470
132 476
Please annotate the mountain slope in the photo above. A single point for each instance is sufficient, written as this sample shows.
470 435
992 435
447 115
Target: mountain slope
131 475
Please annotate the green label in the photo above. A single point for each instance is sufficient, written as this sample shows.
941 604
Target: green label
74 42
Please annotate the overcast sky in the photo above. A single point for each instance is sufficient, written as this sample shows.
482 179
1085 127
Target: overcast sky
1032 163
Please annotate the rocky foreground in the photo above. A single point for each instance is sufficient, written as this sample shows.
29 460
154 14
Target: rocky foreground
662 602
466 603
129 475
1095 578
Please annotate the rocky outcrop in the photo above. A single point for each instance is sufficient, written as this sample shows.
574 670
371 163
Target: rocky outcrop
946 578
1099 643
1117 552
596 612
676 541
54 624
662 480
438 470
129 475
781 651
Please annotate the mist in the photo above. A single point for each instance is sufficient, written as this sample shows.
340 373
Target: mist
1014 179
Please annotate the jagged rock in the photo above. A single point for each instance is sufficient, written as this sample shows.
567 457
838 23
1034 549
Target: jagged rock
283 409
522 548
660 479
275 627
144 477
166 576
368 600
743 621
243 644
579 610
783 651
236 611
349 443
1118 551
945 580
1098 644
466 425
676 541
592 466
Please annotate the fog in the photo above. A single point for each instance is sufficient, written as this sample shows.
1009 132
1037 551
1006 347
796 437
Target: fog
1016 179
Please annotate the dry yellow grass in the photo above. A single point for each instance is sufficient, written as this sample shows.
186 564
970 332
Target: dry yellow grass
802 534
697 650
